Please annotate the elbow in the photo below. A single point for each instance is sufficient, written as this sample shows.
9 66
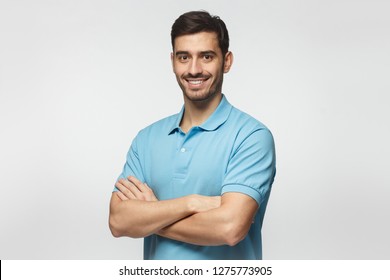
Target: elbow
115 233
120 223
114 227
234 234
233 240
120 229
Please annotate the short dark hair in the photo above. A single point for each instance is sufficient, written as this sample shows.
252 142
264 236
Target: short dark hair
201 21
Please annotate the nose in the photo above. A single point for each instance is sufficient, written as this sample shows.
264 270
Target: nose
195 67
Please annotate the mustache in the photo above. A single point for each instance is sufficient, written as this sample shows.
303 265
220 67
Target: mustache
197 76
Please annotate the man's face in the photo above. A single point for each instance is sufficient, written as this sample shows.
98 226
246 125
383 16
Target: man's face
199 65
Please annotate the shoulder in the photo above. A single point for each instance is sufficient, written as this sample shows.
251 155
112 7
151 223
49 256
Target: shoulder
161 125
158 128
246 125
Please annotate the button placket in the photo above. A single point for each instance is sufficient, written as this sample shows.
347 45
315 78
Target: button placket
183 153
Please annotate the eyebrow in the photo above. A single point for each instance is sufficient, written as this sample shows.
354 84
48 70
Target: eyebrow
208 52
181 53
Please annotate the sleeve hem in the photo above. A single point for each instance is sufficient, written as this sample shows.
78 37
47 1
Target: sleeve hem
243 189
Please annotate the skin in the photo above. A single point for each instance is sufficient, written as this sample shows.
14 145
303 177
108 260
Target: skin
151 215
199 66
135 211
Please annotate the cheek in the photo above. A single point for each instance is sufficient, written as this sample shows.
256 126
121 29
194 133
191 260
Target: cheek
179 71
215 69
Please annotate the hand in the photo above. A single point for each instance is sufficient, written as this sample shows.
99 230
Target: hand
132 188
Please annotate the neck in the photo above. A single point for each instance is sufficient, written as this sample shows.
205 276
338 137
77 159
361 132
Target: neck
197 112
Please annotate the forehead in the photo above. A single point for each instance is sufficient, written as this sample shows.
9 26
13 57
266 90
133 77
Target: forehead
197 42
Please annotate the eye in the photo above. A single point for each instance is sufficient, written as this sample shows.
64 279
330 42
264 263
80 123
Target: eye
207 57
183 58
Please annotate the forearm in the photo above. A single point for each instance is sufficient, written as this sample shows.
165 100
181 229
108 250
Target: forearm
206 229
136 218
220 226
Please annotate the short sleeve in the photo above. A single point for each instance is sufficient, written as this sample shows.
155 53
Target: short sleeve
251 169
132 166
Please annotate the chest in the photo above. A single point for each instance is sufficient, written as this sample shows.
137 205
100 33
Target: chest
179 164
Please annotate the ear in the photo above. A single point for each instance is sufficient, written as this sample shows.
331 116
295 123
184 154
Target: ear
173 65
228 62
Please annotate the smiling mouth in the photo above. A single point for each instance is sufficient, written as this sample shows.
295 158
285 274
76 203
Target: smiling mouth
196 82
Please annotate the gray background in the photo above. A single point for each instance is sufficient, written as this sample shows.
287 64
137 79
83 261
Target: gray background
79 79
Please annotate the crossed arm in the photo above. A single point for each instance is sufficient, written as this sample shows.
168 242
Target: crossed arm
202 220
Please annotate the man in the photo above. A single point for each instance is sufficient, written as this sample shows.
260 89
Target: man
196 184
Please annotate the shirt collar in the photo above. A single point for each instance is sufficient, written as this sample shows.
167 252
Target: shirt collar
217 118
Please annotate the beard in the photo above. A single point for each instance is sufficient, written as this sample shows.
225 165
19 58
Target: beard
203 94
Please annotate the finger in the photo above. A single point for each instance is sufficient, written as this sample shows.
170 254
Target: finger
124 190
152 195
133 189
143 192
121 196
146 186
146 192
140 185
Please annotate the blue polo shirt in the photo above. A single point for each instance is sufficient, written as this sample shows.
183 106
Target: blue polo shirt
229 152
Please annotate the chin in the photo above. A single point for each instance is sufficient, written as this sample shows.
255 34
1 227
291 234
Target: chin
198 97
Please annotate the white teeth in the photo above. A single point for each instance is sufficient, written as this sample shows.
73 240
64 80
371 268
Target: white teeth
197 82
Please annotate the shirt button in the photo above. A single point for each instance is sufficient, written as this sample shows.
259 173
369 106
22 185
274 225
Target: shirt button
182 150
